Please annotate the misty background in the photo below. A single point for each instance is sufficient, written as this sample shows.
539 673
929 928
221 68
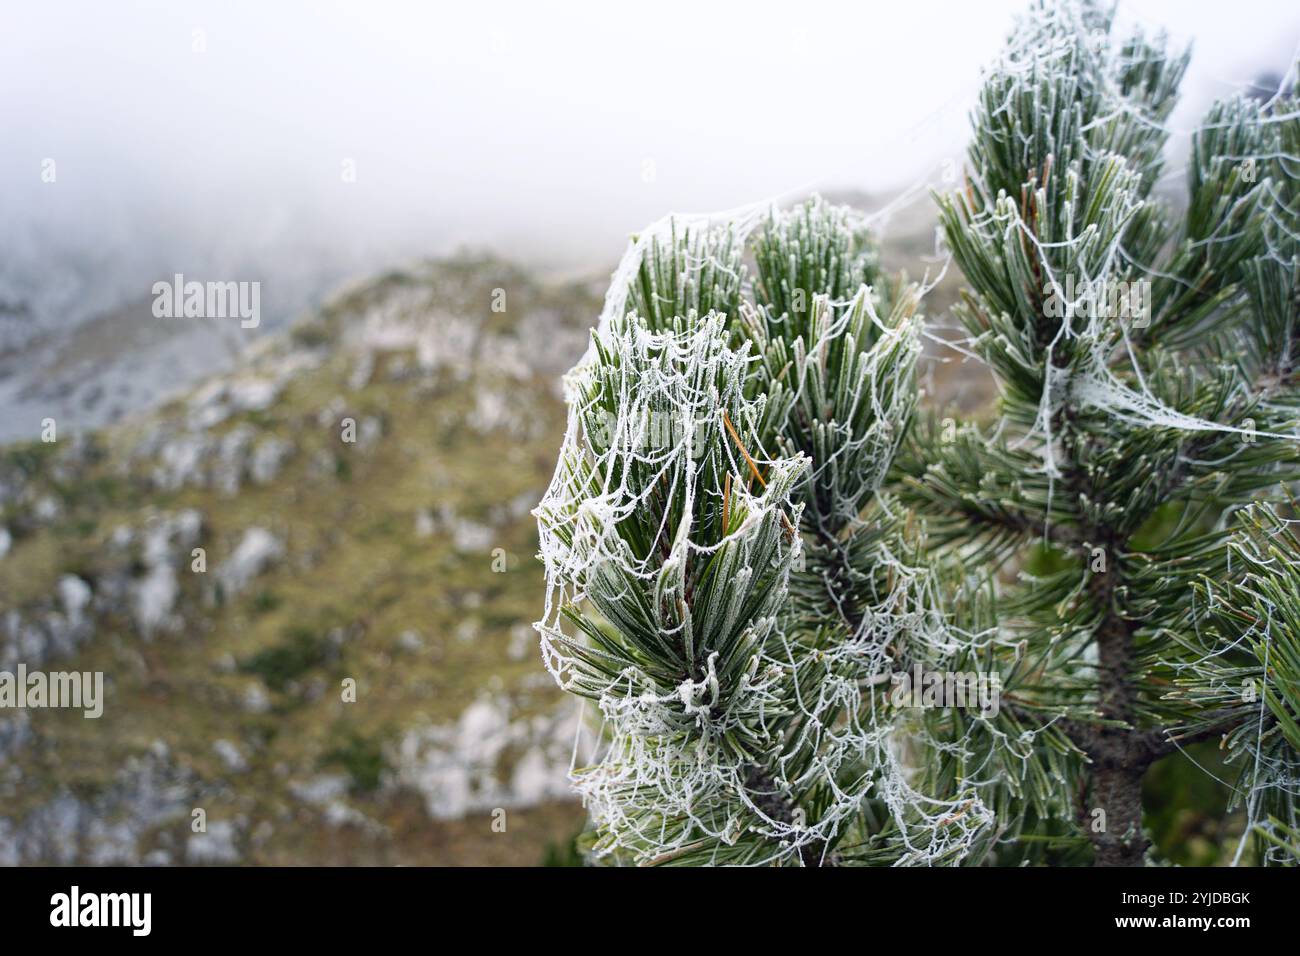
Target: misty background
304 144
358 488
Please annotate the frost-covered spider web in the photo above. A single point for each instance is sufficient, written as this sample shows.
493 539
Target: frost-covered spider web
1104 373
735 728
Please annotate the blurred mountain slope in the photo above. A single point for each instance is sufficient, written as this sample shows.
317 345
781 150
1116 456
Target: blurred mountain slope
401 560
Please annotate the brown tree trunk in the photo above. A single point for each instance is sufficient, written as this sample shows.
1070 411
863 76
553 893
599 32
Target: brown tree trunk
1117 789
1120 755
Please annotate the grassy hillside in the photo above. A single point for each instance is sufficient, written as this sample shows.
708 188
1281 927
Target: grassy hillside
360 491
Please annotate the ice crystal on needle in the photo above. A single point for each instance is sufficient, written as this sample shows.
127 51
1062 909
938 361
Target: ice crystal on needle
724 581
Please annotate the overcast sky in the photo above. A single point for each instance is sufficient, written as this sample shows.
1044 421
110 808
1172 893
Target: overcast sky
549 130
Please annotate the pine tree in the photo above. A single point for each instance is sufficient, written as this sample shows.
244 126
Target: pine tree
757 551
1146 362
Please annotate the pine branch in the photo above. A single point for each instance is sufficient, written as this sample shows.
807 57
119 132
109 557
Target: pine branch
1121 424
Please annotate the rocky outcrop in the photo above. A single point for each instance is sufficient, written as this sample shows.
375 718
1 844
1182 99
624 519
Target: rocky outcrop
256 552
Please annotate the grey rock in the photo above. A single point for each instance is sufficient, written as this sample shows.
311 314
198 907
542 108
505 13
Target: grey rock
217 845
257 551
